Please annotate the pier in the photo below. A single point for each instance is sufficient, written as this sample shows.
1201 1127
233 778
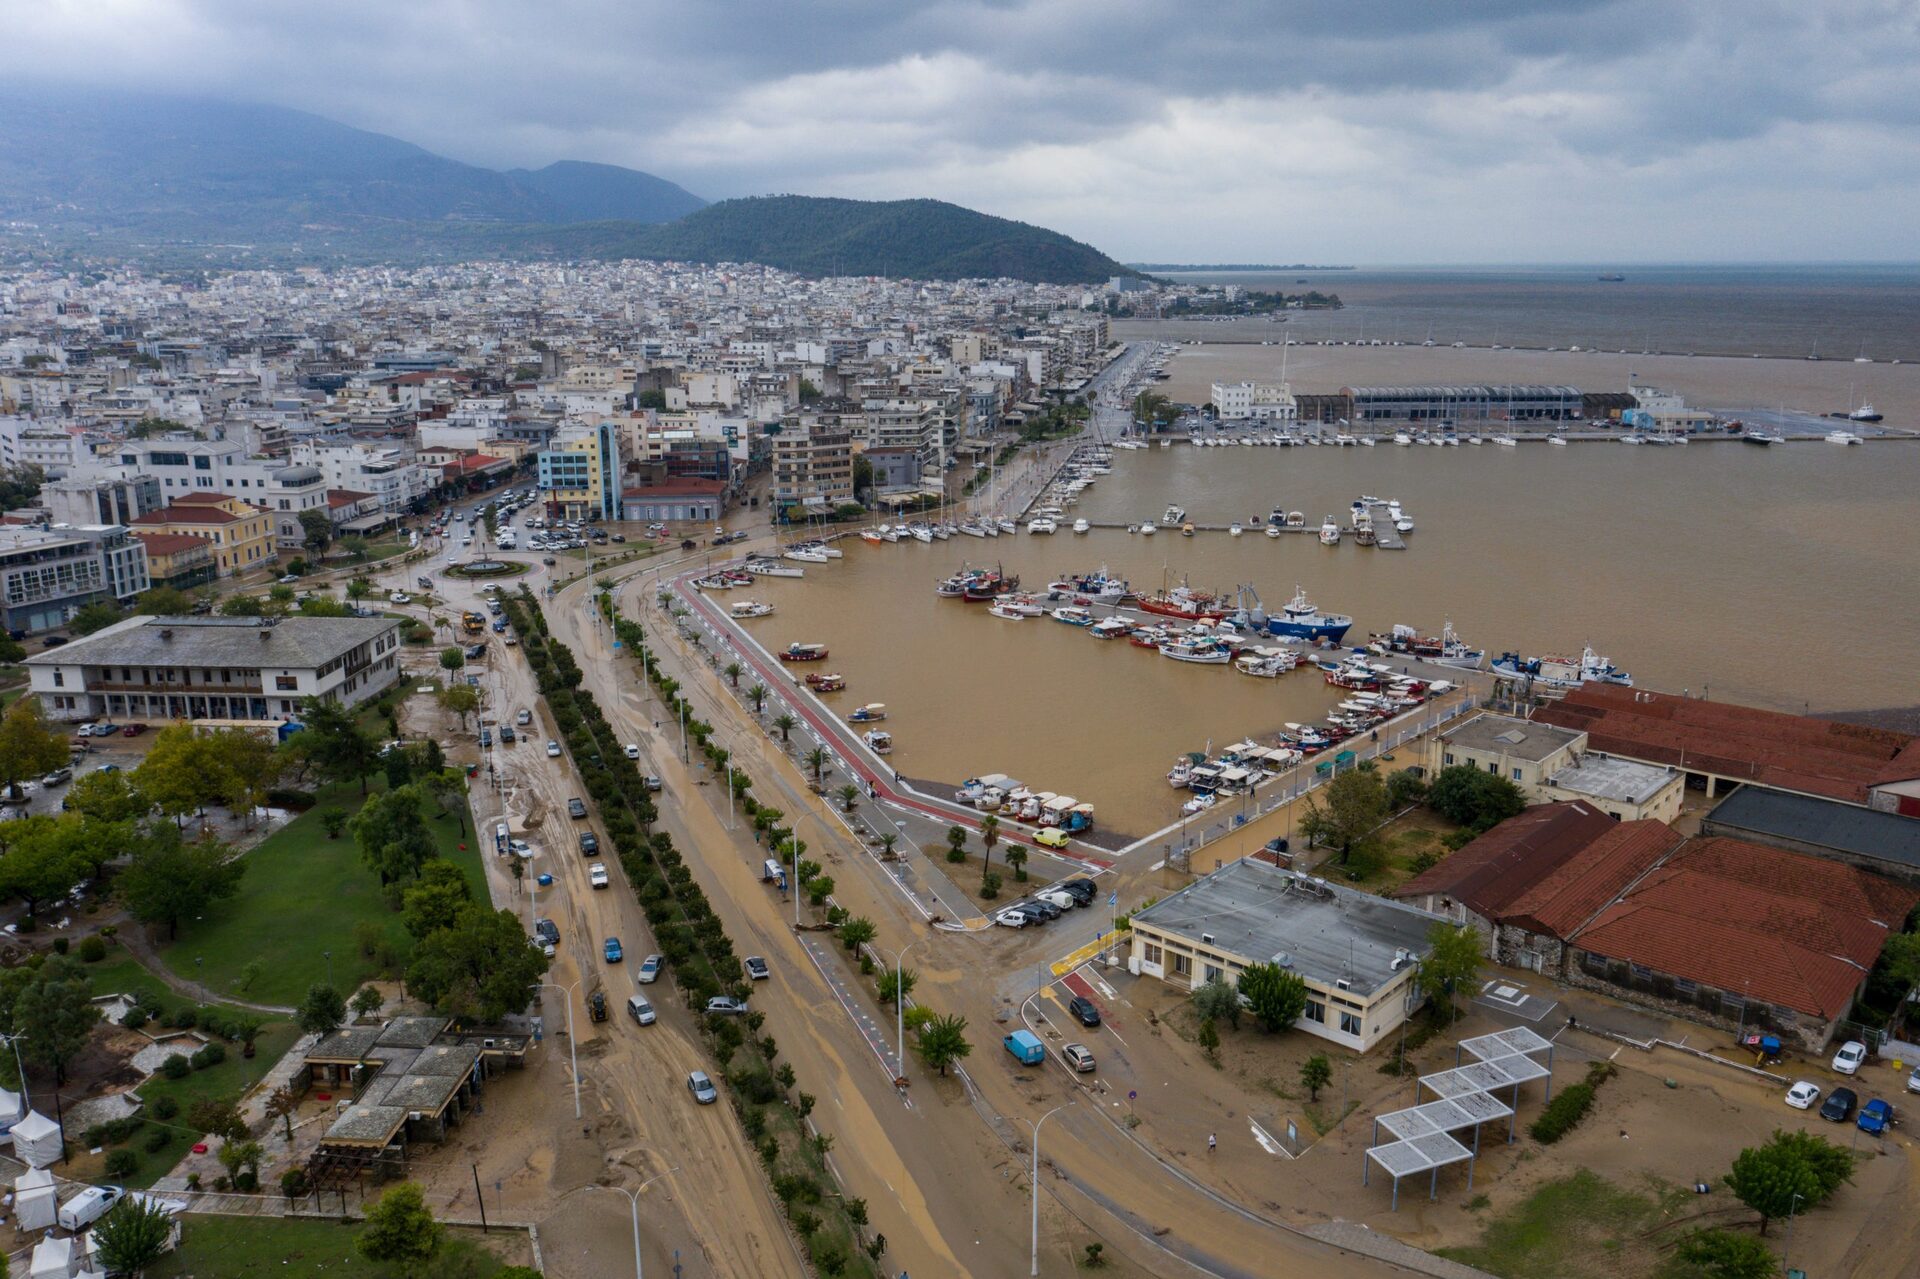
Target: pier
1386 537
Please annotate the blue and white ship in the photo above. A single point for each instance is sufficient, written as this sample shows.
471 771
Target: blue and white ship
1299 618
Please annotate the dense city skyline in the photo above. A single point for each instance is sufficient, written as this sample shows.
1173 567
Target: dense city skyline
1564 132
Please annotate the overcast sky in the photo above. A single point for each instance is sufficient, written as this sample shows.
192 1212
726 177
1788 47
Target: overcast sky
1320 130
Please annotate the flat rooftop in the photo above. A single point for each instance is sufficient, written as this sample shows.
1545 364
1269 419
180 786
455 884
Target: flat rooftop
289 643
1775 816
1321 931
1608 777
1523 739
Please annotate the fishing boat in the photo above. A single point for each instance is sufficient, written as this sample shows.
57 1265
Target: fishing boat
879 741
750 608
1182 770
1445 649
1563 672
1110 628
1149 636
1098 587
1298 617
804 653
871 713
1273 530
716 582
1081 526
1015 610
955 587
1557 441
1865 413
826 683
1200 650
1073 615
990 585
873 536
1265 663
773 568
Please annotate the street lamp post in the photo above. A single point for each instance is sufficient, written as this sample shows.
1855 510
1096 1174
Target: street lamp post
795 837
573 1053
1035 1178
900 1000
633 1204
1786 1250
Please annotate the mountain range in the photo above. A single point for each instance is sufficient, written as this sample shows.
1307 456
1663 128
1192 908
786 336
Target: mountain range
191 179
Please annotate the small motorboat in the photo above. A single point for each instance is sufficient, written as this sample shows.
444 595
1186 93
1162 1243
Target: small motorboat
879 741
1148 529
1081 526
871 713
804 653
821 683
1110 628
750 608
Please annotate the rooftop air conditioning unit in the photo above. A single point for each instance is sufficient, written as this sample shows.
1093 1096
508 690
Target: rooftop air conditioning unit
1400 958
1206 938
1344 984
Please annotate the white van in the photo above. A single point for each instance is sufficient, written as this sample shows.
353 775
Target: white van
500 838
640 1010
89 1206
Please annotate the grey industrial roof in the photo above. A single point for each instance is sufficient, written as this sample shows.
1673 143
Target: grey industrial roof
1818 823
291 642
1519 738
1608 777
1256 910
1488 391
349 1043
412 1032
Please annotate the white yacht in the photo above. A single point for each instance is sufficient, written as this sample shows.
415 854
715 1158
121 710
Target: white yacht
1148 528
1329 532
1842 437
1081 526
1042 524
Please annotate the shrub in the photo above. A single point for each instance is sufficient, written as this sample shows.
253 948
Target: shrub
293 1183
164 1107
246 1181
157 1140
134 1018
211 1055
151 1001
294 801
60 945
1562 1113
122 1163
92 949
176 1067
184 1018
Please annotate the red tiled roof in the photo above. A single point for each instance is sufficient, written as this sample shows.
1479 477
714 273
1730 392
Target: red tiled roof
1797 931
1489 873
202 499
170 543
1768 748
1574 892
175 515
345 497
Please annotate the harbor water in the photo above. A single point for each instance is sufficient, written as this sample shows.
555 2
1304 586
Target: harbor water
1775 577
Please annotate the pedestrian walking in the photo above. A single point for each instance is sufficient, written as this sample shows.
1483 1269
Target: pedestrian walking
1212 1143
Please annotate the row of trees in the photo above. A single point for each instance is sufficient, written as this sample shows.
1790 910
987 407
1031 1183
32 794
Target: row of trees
1349 813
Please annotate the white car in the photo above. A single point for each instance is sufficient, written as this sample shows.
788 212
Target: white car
553 750
399 597
1011 919
1802 1095
1848 1059
597 875
633 751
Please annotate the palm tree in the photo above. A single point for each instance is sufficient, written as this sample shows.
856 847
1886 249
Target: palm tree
849 796
956 843
1017 858
887 841
759 695
786 723
733 671
816 759
989 836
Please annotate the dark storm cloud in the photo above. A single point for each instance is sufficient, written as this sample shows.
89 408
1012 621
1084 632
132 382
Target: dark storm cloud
1103 109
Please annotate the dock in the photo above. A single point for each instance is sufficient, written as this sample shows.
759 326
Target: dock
1387 538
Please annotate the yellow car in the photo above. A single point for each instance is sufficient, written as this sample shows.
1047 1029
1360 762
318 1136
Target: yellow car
1052 837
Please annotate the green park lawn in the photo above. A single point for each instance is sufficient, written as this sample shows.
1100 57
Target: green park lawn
214 1247
302 896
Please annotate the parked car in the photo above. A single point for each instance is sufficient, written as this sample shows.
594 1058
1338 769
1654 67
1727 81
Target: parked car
1838 1107
486 737
611 949
1051 837
650 970
1084 1011
1802 1095
633 751
1079 1057
1064 900
1875 1117
1083 890
702 1088
507 737
399 597
474 651
757 968
726 1006
523 718
1011 918
1025 1047
133 730
57 776
1848 1060
1045 909
597 875
553 749
589 843
651 782
1913 1080
576 808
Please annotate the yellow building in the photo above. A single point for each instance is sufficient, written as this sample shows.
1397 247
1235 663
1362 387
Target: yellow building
580 475
239 534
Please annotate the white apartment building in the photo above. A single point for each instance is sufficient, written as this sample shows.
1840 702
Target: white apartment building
184 465
48 575
1264 401
216 668
392 475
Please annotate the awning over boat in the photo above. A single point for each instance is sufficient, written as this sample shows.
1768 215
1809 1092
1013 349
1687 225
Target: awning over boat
997 779
1059 803
1234 774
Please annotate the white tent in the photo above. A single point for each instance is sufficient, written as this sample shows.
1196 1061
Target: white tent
12 1109
36 1140
55 1259
36 1201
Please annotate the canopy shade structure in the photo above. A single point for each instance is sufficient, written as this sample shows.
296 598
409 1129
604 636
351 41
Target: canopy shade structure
1429 1153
